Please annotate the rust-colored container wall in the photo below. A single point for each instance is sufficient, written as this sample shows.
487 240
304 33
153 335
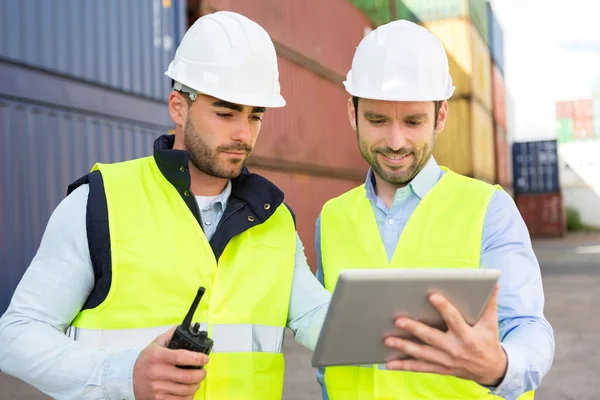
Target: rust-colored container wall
583 128
312 131
482 132
503 174
575 109
325 32
306 195
499 97
544 214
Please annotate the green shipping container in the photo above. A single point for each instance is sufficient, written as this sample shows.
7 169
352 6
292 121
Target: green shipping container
564 130
384 11
596 106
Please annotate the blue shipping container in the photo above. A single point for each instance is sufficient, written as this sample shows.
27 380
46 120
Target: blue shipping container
535 167
44 150
122 44
495 38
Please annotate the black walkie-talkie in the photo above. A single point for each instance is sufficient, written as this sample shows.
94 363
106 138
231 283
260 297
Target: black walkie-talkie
191 338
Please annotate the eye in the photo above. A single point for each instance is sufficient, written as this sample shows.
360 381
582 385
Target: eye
377 122
256 118
414 123
224 115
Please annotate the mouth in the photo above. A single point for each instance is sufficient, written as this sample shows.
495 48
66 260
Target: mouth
235 153
395 160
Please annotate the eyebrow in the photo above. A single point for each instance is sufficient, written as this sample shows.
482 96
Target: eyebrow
417 116
237 107
374 115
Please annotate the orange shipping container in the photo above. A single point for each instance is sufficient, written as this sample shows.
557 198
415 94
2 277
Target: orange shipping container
306 195
583 128
499 96
503 175
312 131
467 143
464 44
326 35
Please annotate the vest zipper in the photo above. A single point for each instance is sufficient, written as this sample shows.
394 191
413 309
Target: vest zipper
199 215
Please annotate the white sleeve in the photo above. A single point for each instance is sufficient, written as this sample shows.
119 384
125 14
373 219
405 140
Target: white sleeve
33 345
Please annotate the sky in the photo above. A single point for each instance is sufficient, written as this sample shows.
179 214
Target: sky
552 52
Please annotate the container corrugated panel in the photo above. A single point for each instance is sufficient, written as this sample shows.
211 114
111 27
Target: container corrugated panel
298 188
535 167
544 214
499 96
583 128
59 147
465 45
582 109
564 110
123 44
564 130
453 147
312 130
495 38
482 132
327 35
503 176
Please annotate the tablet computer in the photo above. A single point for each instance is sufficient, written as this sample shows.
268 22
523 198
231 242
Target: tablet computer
366 303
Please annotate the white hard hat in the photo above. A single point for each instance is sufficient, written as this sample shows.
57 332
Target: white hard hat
230 57
400 61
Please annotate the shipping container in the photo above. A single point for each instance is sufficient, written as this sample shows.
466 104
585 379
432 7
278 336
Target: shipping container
495 38
499 97
383 11
464 44
564 130
564 110
61 146
122 44
576 109
583 129
503 173
535 167
544 214
437 10
466 145
299 188
308 28
312 132
596 106
597 127
596 87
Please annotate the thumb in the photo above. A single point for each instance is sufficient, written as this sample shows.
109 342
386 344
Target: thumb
490 314
163 339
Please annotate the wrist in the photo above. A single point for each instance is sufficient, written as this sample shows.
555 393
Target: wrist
498 372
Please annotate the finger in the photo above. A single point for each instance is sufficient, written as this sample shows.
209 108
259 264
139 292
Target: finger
431 336
417 366
454 320
174 389
490 314
164 339
184 357
421 351
183 376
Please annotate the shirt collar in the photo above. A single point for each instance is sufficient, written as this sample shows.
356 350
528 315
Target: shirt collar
421 184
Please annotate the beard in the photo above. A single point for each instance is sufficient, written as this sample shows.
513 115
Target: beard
400 175
207 160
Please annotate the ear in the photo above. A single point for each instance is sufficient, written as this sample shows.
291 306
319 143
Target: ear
178 108
351 114
442 117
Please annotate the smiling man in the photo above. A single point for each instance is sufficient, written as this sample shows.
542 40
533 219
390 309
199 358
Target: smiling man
412 213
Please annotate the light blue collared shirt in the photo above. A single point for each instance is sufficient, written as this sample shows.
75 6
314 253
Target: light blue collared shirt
33 344
526 335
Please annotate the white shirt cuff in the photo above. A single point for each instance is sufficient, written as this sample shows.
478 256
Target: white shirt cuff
117 377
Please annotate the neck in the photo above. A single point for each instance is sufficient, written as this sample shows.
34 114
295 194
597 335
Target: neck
386 191
205 185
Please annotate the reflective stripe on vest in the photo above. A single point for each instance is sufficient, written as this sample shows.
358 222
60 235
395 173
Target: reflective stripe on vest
444 231
227 337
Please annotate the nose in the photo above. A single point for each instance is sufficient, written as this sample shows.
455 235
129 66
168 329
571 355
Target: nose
242 131
397 139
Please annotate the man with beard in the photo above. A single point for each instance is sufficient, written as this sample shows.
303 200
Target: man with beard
125 253
412 213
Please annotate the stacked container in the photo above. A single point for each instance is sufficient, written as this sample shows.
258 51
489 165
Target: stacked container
596 106
574 120
85 83
537 188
